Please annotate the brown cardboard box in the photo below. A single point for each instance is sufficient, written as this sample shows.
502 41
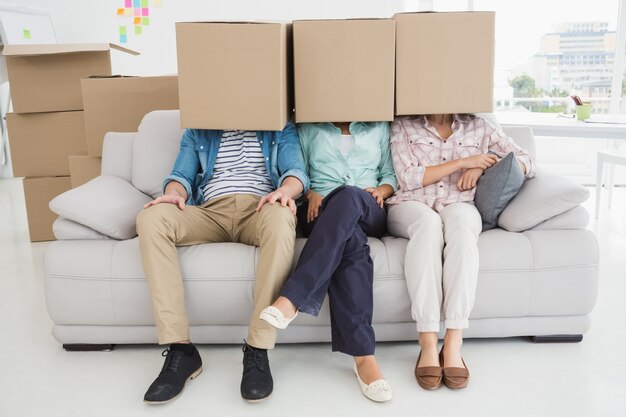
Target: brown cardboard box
38 192
118 104
234 75
344 70
46 78
444 62
84 168
42 142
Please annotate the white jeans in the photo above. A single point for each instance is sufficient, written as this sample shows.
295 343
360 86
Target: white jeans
441 262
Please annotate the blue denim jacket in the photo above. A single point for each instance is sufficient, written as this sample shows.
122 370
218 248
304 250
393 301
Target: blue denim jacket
198 151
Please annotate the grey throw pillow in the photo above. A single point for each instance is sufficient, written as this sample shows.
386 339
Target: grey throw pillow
498 185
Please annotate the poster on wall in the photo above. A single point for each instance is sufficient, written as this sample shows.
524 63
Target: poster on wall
22 25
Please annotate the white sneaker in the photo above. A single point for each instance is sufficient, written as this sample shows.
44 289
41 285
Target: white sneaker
379 390
276 318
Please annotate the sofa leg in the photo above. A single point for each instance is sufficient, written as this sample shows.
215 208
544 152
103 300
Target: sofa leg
558 338
85 347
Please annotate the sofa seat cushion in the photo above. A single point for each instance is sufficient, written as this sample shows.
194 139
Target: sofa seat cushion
535 273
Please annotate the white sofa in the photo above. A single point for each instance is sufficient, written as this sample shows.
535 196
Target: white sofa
540 282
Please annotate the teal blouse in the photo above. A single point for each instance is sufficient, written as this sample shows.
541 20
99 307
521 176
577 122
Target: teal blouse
368 164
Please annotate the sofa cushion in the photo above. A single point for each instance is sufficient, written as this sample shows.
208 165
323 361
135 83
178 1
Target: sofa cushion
541 198
155 149
92 205
496 188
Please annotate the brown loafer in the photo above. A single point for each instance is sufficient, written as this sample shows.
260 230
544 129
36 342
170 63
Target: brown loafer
428 377
454 377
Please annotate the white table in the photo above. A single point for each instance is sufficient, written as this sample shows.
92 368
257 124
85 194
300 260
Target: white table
551 124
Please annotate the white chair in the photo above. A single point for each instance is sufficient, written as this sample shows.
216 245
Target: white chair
612 157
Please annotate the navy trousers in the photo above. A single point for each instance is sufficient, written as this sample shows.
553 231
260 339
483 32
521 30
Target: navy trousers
336 260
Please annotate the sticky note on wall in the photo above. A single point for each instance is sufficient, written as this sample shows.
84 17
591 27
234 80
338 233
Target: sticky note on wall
26 33
137 21
145 11
120 12
128 4
145 21
144 3
122 30
123 39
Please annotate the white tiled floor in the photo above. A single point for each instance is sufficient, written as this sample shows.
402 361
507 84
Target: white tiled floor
510 377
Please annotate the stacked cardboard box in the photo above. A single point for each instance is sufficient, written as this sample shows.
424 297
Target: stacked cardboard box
48 125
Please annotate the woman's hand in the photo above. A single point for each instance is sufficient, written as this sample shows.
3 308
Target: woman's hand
315 202
469 178
483 161
377 194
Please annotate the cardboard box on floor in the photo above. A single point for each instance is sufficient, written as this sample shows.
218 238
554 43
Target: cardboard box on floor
344 70
42 142
46 78
38 192
444 62
84 168
234 75
118 104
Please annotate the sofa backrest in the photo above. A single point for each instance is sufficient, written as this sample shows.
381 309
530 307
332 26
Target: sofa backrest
523 136
154 150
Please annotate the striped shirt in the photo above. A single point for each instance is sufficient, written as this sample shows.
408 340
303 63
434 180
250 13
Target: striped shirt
416 145
239 168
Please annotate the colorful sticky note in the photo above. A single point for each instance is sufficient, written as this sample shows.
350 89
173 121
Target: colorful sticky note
157 3
136 3
138 30
144 3
120 12
145 21
26 34
122 30
145 11
128 12
137 11
128 4
123 39
137 21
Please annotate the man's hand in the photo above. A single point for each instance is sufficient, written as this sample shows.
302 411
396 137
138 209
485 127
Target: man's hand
167 198
469 178
314 202
377 194
483 160
277 196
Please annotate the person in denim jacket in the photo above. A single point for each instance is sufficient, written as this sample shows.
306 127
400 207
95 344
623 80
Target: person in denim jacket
225 186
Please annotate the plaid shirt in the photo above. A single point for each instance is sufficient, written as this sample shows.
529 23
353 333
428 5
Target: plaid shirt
416 145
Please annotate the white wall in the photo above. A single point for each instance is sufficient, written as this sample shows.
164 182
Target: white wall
80 21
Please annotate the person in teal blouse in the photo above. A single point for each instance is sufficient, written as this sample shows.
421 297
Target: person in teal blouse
351 174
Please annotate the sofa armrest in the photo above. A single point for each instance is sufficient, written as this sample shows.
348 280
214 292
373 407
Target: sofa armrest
65 229
576 218
541 198
117 155
107 204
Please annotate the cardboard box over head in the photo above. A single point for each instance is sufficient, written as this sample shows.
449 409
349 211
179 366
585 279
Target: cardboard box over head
38 192
45 78
118 104
344 70
42 142
444 62
234 75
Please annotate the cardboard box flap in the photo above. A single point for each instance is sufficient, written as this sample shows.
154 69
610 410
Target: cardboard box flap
239 22
31 50
408 14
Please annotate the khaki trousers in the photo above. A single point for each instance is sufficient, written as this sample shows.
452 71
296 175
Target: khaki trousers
441 261
231 218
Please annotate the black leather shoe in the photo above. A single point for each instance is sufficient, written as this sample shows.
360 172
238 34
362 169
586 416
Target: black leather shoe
177 369
256 381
